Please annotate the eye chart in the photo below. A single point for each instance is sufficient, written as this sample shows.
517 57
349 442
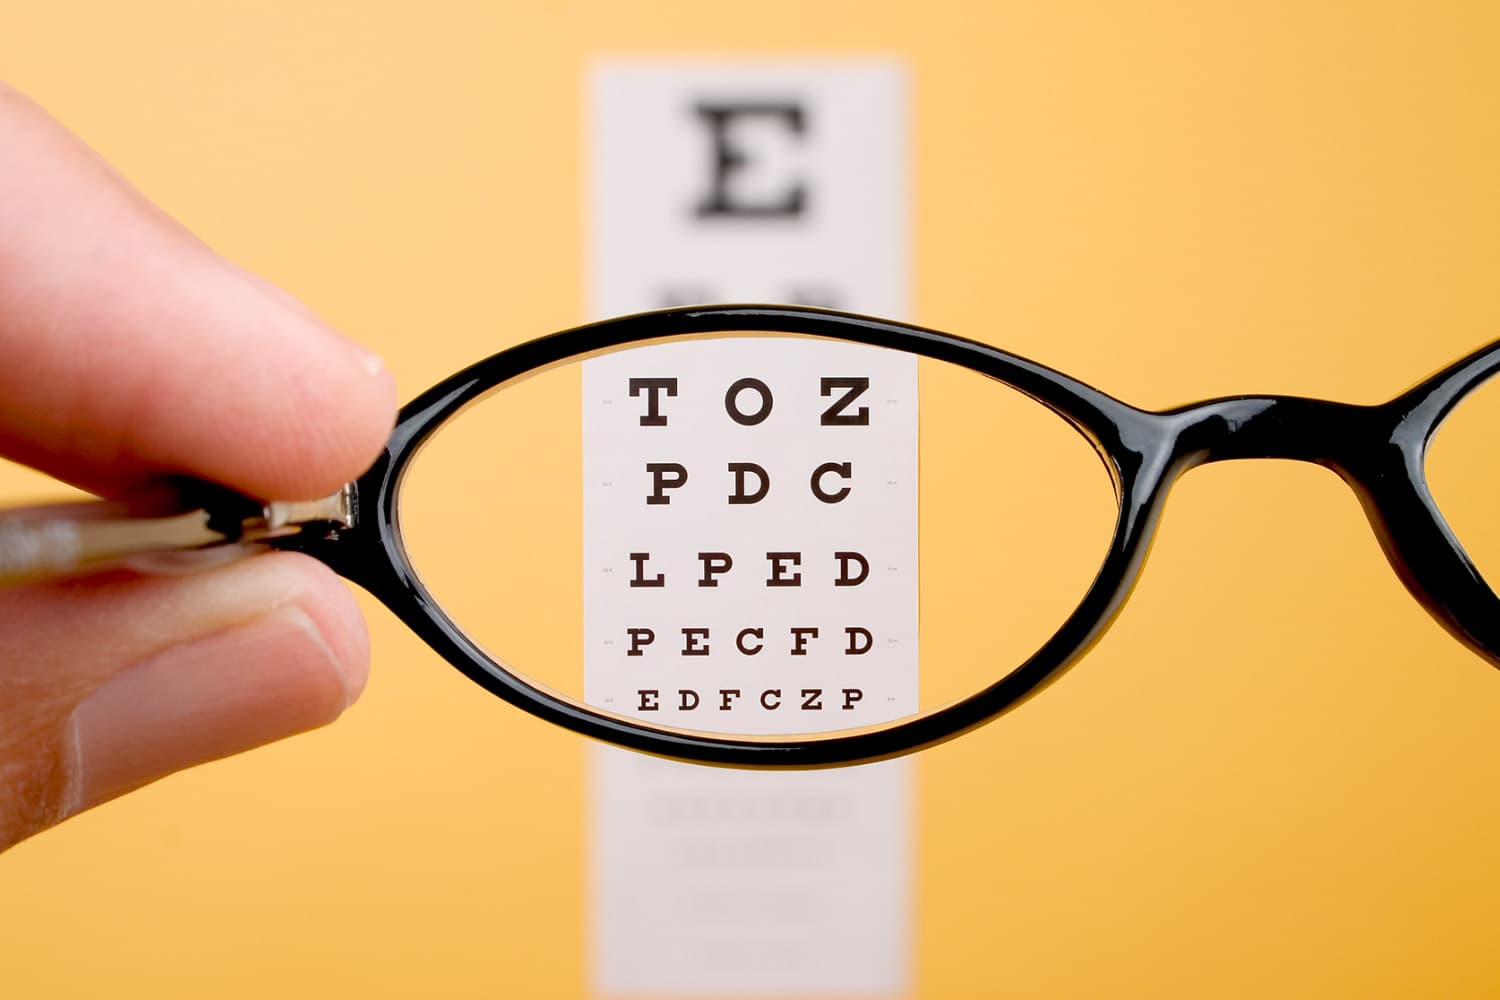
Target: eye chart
750 527
746 568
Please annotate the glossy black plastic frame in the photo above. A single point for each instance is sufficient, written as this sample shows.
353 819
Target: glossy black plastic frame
1378 450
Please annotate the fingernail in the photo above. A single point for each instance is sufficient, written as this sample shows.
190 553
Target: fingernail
206 699
371 362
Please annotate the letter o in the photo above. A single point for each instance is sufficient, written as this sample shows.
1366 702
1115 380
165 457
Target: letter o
732 404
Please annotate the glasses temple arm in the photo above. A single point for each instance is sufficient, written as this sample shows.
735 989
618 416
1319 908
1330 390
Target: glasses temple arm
210 524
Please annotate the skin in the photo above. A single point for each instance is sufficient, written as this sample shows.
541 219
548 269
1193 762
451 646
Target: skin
128 351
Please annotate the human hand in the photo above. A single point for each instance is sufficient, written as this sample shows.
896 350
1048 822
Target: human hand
129 350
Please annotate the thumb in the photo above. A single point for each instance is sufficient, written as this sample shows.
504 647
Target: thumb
113 681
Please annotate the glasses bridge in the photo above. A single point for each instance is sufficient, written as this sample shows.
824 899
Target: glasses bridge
1285 427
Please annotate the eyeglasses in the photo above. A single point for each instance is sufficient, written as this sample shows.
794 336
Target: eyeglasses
783 537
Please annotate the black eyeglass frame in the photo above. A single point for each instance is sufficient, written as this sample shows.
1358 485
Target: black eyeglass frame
1378 450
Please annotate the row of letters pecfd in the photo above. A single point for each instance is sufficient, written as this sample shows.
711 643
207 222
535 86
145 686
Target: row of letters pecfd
751 641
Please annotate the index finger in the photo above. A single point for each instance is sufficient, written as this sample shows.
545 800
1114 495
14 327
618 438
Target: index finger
128 349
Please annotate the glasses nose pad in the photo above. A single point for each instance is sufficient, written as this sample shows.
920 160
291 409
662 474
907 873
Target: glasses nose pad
1429 559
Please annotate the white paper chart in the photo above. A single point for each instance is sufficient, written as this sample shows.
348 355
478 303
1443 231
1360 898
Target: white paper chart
750 564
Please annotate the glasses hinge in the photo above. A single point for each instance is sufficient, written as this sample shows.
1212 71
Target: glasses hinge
287 517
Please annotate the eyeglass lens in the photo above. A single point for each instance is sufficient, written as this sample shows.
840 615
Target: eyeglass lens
755 534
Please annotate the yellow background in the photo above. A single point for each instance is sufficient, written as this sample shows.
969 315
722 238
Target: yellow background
1275 777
